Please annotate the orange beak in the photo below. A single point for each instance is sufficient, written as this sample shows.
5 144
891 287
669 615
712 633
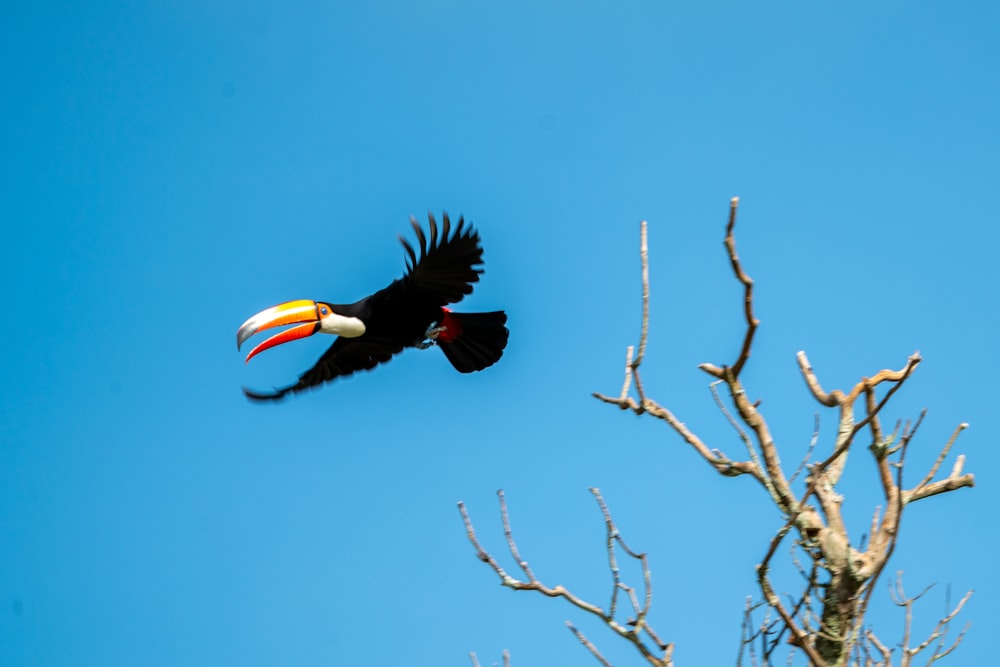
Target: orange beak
292 312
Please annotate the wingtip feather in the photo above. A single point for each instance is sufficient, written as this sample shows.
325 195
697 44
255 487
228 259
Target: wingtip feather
265 397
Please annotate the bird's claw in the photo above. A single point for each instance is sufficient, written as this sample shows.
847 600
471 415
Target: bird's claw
430 337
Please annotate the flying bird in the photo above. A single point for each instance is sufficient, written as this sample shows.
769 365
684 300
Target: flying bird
411 312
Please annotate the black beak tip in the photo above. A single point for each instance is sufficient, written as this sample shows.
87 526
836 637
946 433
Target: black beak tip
242 335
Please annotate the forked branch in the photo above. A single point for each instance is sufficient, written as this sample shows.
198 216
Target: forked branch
937 636
636 629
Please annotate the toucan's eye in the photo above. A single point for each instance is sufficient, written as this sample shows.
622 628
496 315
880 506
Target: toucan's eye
324 310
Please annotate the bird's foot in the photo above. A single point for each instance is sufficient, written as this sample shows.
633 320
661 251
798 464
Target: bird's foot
430 337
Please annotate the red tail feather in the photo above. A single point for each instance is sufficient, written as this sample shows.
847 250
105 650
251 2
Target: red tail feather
452 327
473 341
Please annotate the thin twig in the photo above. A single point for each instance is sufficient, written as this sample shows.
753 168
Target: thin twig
809 451
741 275
509 534
884 650
644 259
748 635
942 456
874 424
506 659
898 377
628 374
751 450
590 646
611 532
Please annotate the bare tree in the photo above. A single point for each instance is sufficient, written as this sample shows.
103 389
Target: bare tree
825 620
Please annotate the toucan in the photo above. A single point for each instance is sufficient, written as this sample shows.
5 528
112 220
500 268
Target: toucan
411 312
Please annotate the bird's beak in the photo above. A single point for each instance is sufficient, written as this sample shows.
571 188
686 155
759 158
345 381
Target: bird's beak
292 312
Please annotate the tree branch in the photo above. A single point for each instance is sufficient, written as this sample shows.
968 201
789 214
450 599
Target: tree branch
955 480
631 632
587 643
940 629
644 260
506 659
830 400
722 463
741 275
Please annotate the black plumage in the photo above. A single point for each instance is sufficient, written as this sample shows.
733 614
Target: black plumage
441 270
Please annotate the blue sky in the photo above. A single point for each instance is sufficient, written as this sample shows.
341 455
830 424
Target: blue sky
169 170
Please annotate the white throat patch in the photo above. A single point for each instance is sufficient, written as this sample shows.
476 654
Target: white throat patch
348 327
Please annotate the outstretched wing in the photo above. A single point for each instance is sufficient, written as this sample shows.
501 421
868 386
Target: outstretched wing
447 264
345 357
440 270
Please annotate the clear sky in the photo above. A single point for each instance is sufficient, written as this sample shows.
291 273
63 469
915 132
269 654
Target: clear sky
169 169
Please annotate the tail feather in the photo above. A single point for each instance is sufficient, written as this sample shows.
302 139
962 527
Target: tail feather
474 340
